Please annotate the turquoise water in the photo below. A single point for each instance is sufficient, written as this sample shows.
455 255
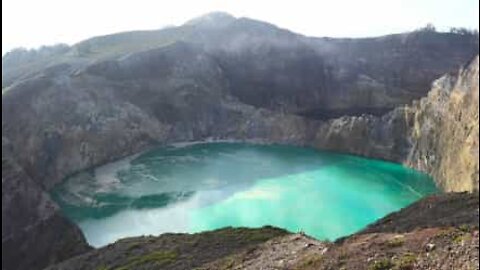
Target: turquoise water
207 186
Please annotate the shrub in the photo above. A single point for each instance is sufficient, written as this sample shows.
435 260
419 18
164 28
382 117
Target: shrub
382 264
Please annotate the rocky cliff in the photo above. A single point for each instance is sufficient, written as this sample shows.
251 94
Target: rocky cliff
445 135
34 232
59 122
69 108
66 109
437 134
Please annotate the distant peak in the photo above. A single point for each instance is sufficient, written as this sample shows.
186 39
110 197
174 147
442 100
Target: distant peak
218 14
216 18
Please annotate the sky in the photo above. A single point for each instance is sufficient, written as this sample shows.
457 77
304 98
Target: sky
32 23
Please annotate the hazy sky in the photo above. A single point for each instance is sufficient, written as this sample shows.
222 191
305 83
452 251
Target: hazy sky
31 23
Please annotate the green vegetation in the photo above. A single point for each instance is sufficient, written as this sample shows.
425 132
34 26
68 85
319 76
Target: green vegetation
406 262
228 263
462 238
251 236
464 228
157 258
446 232
225 263
458 234
311 261
463 31
397 241
134 246
343 255
382 264
427 28
127 42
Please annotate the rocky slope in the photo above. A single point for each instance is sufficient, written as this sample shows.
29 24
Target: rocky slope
31 222
116 108
437 232
171 251
111 96
399 241
65 109
279 70
437 134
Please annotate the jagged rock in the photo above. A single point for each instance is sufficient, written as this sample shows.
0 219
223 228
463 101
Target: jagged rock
445 131
437 134
34 232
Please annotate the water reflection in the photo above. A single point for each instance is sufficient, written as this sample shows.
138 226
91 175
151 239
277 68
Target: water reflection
208 186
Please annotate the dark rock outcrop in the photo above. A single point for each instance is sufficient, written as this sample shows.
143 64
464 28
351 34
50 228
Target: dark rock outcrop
34 232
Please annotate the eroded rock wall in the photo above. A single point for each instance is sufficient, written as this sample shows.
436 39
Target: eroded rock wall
384 137
34 232
444 132
437 134
62 123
